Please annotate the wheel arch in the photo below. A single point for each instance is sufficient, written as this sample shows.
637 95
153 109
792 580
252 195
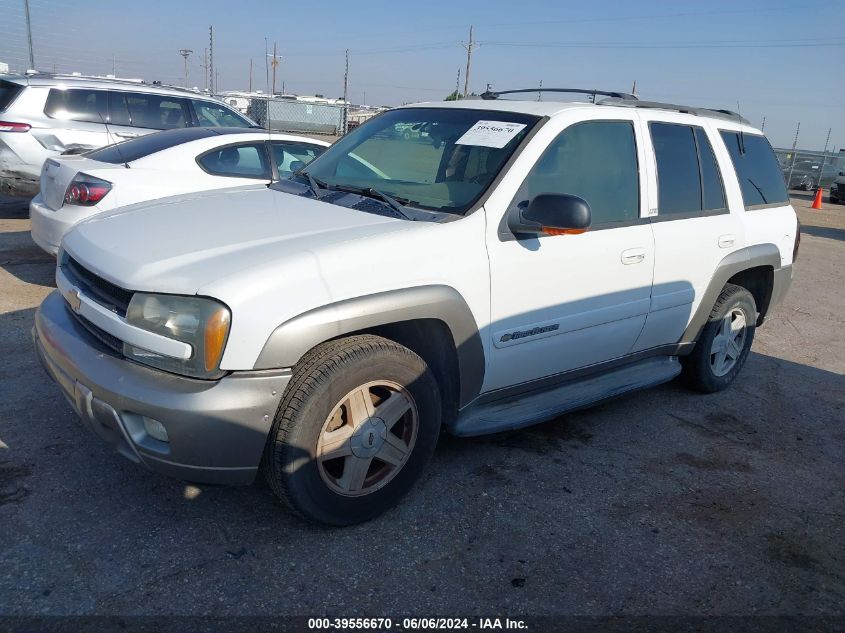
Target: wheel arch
753 265
434 321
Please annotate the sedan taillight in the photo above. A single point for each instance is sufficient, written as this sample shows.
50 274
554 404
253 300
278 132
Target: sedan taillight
86 191
9 126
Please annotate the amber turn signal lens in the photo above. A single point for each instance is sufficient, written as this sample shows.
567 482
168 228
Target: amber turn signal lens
550 231
216 330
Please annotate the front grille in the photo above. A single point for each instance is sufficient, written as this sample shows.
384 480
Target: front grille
111 342
103 292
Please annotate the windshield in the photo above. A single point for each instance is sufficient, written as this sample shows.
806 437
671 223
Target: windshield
440 159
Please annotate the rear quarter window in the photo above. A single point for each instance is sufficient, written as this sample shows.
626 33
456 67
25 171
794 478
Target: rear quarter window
8 92
757 169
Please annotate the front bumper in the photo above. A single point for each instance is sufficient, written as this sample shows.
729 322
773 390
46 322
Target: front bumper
216 429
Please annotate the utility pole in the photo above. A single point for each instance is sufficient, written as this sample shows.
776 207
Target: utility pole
250 74
29 35
469 46
205 66
211 86
540 92
345 92
794 155
184 52
458 86
634 88
763 125
274 64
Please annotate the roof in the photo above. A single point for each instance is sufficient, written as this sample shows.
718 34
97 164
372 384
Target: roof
551 108
137 85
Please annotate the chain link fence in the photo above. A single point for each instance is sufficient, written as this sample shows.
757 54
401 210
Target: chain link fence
808 170
298 116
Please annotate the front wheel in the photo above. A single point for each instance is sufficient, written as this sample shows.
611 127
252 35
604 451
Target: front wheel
358 423
725 341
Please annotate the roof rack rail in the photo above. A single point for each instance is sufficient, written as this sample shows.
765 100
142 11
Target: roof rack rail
495 94
728 115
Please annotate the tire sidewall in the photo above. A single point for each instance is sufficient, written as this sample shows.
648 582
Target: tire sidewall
303 482
743 300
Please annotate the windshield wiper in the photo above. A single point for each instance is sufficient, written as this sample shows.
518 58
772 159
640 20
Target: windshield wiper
372 192
313 183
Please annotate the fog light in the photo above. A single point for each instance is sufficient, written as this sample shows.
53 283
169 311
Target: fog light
155 429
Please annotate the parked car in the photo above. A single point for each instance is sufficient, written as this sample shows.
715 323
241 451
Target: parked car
74 188
837 188
531 259
805 175
45 115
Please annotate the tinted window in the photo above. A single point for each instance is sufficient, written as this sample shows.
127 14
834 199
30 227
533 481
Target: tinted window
8 91
78 105
290 156
152 111
678 180
711 179
216 115
757 169
142 146
238 161
595 160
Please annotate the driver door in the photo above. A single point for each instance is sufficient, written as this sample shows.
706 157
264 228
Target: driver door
561 302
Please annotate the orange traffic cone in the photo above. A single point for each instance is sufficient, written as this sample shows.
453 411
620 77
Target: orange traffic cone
817 203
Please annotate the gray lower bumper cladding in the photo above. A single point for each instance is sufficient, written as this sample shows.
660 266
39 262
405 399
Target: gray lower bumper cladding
216 430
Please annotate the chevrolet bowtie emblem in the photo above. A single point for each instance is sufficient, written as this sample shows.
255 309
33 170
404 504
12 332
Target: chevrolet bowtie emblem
73 300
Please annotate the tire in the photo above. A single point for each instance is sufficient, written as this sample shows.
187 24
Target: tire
707 370
324 413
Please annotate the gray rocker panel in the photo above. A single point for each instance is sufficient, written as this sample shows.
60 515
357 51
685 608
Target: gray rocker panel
293 338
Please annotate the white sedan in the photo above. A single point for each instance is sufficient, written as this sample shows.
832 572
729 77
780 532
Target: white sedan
74 188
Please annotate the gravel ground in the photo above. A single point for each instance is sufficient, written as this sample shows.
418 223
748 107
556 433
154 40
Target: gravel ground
662 502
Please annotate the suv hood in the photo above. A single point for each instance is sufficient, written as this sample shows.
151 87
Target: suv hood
180 244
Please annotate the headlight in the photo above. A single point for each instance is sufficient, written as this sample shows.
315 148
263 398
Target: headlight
202 323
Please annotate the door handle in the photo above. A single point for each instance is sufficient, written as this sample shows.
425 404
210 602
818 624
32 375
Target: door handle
633 256
126 135
726 241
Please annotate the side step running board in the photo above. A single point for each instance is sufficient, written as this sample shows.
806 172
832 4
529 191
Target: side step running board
538 406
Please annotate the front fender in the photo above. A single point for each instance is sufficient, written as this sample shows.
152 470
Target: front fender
292 339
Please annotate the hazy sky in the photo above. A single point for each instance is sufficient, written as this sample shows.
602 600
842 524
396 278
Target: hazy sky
778 59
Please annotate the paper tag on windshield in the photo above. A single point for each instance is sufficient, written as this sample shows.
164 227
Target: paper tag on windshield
490 134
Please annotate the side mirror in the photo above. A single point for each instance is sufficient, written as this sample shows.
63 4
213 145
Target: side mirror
296 165
552 214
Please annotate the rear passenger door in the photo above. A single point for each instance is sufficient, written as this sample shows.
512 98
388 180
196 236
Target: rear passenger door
693 227
80 116
138 113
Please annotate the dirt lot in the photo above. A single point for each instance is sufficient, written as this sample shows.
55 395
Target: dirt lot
664 502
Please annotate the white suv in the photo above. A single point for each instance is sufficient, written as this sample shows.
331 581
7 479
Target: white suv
43 115
513 261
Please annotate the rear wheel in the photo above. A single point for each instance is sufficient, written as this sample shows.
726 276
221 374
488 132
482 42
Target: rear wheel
358 423
725 341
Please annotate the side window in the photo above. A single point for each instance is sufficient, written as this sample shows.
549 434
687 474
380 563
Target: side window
237 161
290 156
157 112
216 115
595 160
757 170
688 178
78 105
711 179
678 180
